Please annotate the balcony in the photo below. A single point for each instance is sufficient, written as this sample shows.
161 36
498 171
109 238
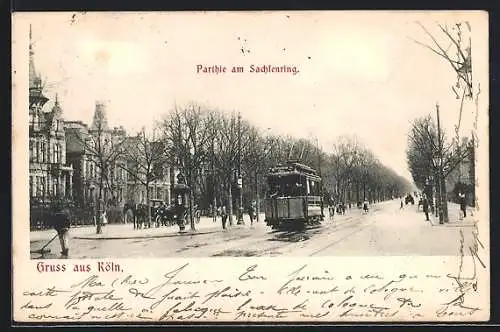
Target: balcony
55 169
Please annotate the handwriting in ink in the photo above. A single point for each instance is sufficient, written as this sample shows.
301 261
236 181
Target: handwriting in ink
171 279
227 292
96 296
29 305
50 291
92 281
172 296
190 311
247 275
131 280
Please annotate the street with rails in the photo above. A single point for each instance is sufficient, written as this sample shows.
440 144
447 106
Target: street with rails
386 230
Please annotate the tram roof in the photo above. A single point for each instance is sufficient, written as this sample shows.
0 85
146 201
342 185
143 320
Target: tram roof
293 167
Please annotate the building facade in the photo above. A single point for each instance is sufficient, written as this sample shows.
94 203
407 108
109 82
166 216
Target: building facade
49 174
82 162
98 146
142 163
96 155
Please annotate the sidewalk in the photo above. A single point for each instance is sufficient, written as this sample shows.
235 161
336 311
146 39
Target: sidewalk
455 217
127 231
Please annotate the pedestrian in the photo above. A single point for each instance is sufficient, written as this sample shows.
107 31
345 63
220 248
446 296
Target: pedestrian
197 214
251 213
402 205
463 206
425 207
62 224
224 216
215 212
365 206
104 218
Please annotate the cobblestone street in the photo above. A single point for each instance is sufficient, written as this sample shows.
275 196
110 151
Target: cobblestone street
385 230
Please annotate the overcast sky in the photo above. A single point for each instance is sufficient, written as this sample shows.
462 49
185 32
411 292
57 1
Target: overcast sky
360 73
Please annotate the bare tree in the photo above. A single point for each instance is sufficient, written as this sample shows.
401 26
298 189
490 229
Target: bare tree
257 152
346 156
187 134
422 144
226 147
429 155
145 159
453 45
104 147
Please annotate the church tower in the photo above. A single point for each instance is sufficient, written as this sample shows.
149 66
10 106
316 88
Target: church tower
100 120
36 98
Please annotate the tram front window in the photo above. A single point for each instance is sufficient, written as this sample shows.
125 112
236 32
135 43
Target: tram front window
285 186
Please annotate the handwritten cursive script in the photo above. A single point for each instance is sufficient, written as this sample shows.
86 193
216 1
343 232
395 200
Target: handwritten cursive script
256 292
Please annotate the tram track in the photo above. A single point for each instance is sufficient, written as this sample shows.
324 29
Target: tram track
339 240
287 239
273 242
358 230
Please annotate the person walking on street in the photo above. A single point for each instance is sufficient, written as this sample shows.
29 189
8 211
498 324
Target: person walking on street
251 213
365 206
223 213
62 224
463 206
197 214
425 206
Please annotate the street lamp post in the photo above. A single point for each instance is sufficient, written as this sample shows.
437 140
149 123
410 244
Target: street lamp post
267 150
437 186
181 192
240 180
443 211
190 185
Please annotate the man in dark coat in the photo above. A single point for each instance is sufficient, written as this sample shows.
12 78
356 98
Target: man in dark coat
425 206
463 206
224 216
251 212
62 224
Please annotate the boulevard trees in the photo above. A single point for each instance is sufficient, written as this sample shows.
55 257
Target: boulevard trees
215 148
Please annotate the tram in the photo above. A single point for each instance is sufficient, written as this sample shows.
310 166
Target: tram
294 197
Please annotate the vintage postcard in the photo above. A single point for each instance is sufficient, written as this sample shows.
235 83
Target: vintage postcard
286 166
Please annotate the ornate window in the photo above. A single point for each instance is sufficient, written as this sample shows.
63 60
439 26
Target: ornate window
31 154
42 185
57 153
32 188
42 156
37 149
38 186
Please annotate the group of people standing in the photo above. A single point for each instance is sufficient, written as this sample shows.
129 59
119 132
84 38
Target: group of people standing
222 212
426 205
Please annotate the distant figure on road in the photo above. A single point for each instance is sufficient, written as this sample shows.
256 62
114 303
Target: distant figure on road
341 208
420 201
219 209
197 214
425 206
402 205
463 206
104 218
365 207
223 213
331 210
251 213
